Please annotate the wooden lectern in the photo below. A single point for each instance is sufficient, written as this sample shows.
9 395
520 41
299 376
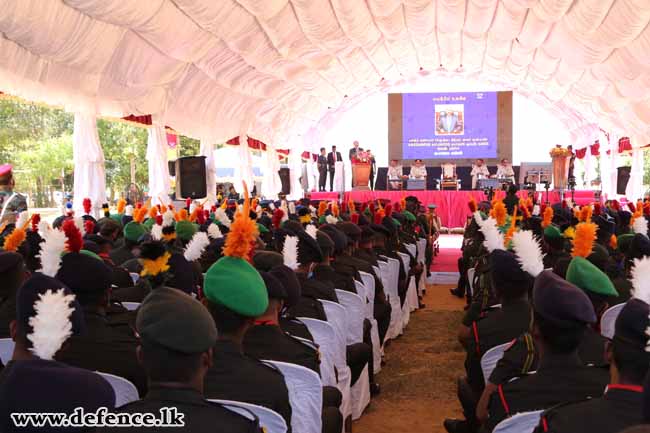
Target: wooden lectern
361 176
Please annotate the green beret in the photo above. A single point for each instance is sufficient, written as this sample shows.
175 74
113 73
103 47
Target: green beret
116 217
91 254
397 223
133 231
185 230
235 284
149 223
262 228
409 216
552 232
588 277
176 321
322 220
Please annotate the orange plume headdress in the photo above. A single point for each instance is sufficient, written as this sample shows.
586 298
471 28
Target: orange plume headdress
243 230
547 218
583 241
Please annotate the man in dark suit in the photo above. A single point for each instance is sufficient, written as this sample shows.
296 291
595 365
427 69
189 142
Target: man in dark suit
332 158
322 169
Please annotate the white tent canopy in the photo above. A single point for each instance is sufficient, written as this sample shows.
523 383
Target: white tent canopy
277 69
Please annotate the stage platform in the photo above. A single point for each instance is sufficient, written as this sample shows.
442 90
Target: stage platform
451 205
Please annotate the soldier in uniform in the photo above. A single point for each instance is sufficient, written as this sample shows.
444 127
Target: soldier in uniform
512 284
105 346
11 202
522 356
234 299
12 276
177 336
34 383
562 313
622 404
266 340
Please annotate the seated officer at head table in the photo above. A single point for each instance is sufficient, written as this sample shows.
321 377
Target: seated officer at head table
479 171
418 170
505 171
395 174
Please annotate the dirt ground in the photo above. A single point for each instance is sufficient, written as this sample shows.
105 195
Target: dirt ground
418 381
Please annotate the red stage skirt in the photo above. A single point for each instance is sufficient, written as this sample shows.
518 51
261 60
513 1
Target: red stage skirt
451 205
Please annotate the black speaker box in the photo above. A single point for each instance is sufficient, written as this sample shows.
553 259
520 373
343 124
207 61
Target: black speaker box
190 177
622 179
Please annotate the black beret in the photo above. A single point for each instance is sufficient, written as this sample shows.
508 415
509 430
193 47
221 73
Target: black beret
380 229
302 211
84 274
265 220
505 267
9 262
399 217
182 273
351 230
338 237
267 260
390 225
308 249
324 241
639 247
560 302
624 218
606 225
292 226
363 221
599 257
30 292
631 325
274 287
97 239
41 386
290 282
126 219
176 321
91 246
367 234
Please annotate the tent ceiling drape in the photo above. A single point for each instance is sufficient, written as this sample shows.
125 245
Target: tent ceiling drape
208 67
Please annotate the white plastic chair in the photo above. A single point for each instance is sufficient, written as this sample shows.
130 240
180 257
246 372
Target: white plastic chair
125 391
336 316
354 313
329 348
354 308
131 306
377 349
412 249
6 350
390 278
608 321
270 420
305 396
490 358
361 291
470 280
524 422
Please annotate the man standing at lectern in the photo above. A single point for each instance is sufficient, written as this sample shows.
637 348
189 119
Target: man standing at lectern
479 170
352 156
332 158
322 169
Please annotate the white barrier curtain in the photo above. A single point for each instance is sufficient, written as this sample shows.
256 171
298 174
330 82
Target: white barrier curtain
89 174
271 184
244 166
159 183
295 172
207 150
634 189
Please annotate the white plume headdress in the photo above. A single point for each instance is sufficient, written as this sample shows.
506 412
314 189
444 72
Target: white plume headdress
214 231
52 247
640 225
222 217
641 286
331 219
290 252
528 251
196 246
311 230
493 237
51 325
